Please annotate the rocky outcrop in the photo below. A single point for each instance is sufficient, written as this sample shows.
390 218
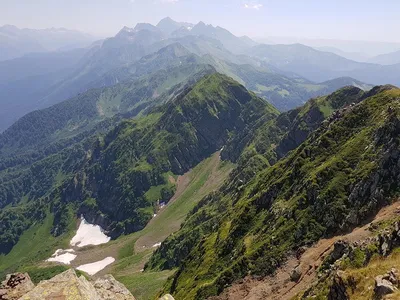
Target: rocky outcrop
66 286
386 284
15 286
109 288
337 290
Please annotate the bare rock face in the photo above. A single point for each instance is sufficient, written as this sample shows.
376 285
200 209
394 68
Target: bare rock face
338 289
68 286
15 286
383 287
386 284
109 288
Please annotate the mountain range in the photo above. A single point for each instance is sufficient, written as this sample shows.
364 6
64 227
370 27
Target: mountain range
16 42
50 79
215 167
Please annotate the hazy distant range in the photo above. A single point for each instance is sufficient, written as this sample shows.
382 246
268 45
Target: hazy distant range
356 50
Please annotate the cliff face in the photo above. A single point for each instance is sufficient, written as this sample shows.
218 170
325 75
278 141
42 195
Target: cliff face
67 286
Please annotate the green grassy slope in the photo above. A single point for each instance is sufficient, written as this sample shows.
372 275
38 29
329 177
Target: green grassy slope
340 175
118 180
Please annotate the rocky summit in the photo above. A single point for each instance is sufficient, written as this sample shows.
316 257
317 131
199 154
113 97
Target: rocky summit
66 286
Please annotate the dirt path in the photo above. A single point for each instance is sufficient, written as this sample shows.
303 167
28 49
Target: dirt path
279 286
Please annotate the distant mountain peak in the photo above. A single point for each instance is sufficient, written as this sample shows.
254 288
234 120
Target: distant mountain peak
146 26
168 25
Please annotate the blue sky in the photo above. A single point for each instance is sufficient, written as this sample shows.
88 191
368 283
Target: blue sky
340 19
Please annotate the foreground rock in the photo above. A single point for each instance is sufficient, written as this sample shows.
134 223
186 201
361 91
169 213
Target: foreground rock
15 286
66 286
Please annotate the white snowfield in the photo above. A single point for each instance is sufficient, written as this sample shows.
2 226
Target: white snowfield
156 245
96 267
63 256
89 234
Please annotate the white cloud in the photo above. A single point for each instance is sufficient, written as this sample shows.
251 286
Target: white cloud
253 5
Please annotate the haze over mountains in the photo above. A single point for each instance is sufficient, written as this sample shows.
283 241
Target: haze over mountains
213 166
285 75
16 42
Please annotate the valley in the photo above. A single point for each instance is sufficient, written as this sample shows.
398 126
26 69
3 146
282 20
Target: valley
182 161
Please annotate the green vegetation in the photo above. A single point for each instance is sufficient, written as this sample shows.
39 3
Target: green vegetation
318 189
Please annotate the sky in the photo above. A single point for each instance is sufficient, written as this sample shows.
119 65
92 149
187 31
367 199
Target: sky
368 20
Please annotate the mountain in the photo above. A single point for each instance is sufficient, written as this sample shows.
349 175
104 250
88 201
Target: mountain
284 92
126 55
365 48
171 139
168 26
321 66
386 59
35 64
339 176
356 56
16 42
233 43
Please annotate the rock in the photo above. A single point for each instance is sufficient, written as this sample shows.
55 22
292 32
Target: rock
167 297
15 286
340 248
383 287
109 288
68 286
295 275
337 290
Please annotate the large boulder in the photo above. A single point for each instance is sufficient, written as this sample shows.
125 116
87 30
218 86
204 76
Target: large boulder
383 287
295 275
15 286
68 286
109 288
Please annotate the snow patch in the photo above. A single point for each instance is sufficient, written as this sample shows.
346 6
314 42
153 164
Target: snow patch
156 245
63 256
89 234
96 267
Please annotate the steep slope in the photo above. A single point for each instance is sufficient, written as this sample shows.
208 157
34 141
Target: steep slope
108 179
321 66
342 174
83 112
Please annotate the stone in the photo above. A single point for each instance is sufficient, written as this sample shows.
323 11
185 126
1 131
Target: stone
383 287
295 275
67 286
338 290
15 286
109 288
339 249
167 297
